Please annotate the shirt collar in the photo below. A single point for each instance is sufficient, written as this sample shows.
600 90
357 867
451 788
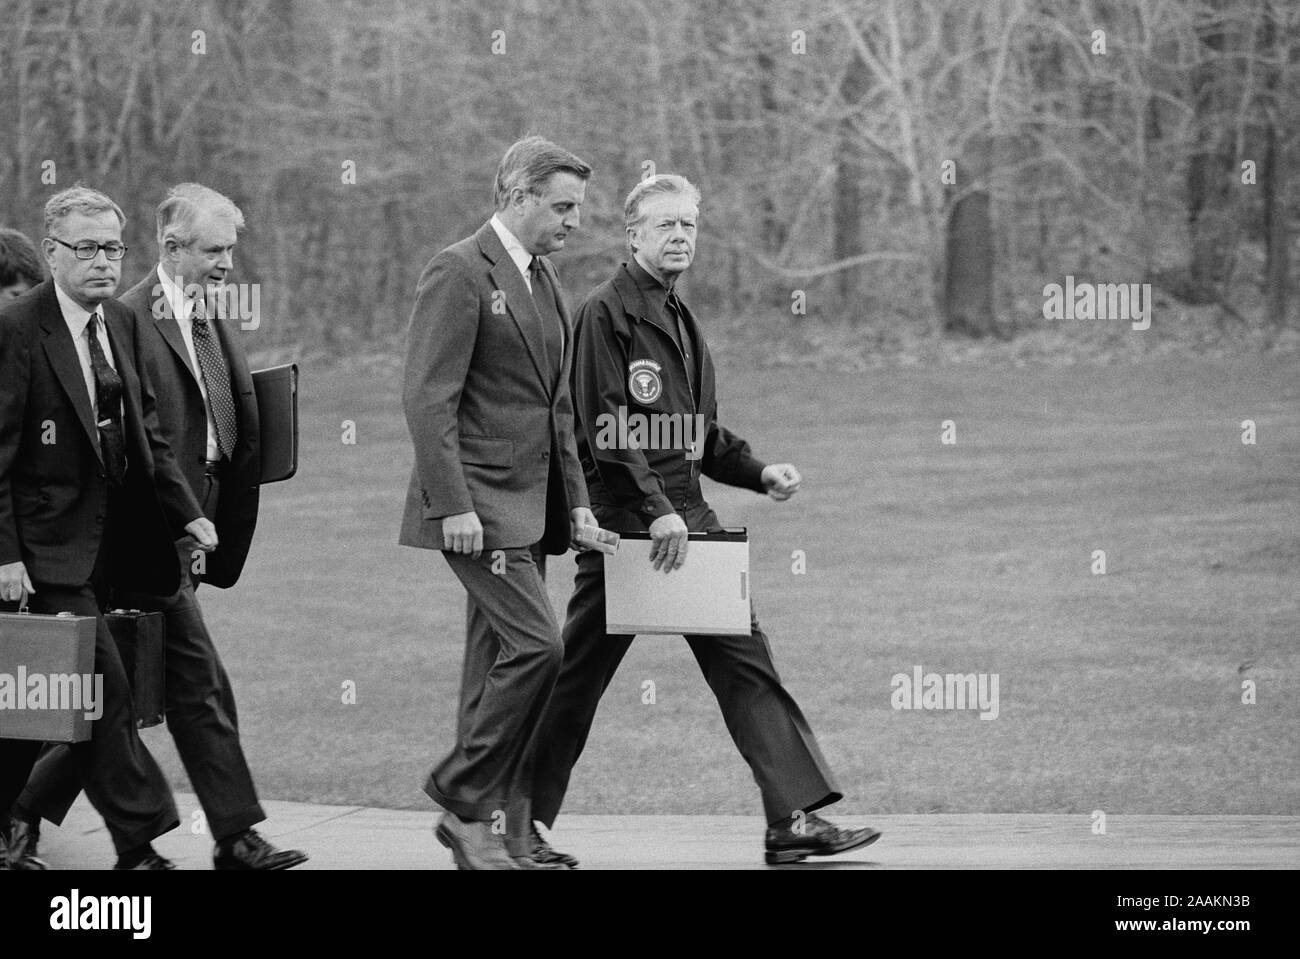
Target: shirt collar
74 315
181 306
647 283
523 259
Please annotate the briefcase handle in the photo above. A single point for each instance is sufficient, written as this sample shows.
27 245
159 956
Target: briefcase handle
24 611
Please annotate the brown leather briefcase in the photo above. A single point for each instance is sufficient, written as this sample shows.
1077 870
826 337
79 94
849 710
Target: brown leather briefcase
48 687
141 640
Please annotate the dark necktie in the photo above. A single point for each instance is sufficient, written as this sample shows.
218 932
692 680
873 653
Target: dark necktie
552 332
108 407
216 378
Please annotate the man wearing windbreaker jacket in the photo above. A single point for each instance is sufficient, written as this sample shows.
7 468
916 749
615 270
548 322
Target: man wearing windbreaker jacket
639 350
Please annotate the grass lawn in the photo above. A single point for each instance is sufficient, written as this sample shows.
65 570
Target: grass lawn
1119 692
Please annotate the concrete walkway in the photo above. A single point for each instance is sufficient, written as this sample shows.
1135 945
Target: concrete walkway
355 837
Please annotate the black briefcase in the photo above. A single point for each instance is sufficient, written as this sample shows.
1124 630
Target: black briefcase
141 638
277 413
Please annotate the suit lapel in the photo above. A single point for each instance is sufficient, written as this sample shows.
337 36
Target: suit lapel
170 329
149 293
241 378
519 303
62 354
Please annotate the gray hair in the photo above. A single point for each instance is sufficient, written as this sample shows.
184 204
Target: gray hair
653 186
178 214
78 199
530 163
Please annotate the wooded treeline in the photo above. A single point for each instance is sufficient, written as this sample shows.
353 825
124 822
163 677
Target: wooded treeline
915 162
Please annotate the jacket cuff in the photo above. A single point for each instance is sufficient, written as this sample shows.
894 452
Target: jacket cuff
751 475
655 506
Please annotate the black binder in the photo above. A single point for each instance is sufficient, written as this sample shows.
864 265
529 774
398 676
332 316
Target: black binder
277 411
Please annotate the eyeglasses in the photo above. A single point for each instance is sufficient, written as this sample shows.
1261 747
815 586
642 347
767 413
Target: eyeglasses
89 249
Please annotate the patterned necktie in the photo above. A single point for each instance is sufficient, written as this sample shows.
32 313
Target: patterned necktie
216 377
552 327
108 405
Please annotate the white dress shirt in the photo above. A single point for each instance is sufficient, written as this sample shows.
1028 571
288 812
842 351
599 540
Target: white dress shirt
78 321
183 309
523 259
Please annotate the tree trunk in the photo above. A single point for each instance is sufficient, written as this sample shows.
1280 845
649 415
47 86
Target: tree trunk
1210 171
968 278
1276 238
847 220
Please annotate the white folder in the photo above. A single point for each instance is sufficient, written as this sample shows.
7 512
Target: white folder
708 596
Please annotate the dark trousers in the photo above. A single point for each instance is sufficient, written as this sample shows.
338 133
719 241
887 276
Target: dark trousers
200 706
765 722
512 656
120 777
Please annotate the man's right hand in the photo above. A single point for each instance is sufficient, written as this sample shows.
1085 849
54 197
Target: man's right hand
14 583
463 533
668 542
204 533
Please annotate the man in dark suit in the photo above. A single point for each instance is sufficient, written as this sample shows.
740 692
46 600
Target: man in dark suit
497 485
639 349
207 412
87 490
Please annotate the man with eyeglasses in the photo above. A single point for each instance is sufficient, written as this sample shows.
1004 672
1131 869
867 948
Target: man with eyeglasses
207 412
90 499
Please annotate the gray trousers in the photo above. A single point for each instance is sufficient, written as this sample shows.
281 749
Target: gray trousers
513 653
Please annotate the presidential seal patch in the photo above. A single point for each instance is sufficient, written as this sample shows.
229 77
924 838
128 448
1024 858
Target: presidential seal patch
643 381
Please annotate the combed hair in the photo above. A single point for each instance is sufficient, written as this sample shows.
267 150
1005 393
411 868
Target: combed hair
530 163
184 203
653 186
78 199
19 261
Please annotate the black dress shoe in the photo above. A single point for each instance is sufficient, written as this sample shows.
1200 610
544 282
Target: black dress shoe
248 850
545 854
152 861
20 848
791 841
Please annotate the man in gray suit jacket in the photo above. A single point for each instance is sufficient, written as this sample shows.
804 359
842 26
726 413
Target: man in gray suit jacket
496 486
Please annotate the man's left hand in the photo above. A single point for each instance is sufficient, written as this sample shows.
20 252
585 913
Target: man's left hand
578 518
782 481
